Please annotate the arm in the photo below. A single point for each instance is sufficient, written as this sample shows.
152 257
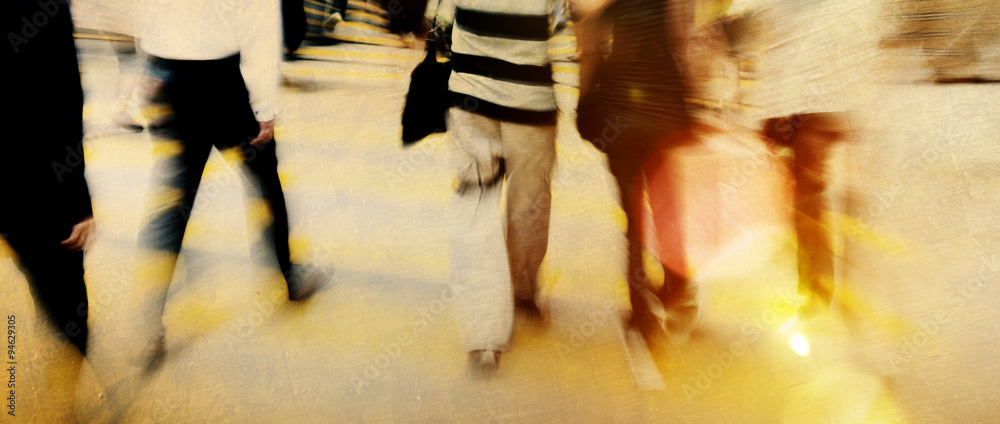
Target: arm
260 59
444 15
76 194
593 28
81 236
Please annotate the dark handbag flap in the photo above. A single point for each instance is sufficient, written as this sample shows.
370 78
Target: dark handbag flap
427 99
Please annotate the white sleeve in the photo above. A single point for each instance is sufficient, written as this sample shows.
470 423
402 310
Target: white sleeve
445 14
260 55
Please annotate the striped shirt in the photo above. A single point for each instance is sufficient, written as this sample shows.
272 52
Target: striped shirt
500 61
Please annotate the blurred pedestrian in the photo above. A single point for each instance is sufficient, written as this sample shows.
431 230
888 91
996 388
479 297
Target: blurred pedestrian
503 125
47 217
632 107
809 60
407 16
218 65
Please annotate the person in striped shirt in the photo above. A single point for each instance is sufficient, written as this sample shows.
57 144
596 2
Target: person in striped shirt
503 124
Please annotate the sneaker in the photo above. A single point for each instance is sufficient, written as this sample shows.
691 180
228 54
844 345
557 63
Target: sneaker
818 300
682 300
648 317
304 281
155 351
331 22
483 363
537 309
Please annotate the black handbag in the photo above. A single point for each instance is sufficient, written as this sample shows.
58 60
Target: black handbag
590 112
427 100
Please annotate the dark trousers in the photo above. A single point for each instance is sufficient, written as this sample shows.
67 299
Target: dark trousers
812 137
293 19
55 275
629 156
209 107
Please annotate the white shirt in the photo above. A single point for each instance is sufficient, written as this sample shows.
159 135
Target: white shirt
215 29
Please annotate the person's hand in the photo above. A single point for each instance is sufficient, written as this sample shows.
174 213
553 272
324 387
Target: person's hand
81 237
266 134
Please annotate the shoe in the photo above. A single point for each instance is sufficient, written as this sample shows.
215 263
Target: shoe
943 79
291 82
537 309
122 119
817 302
812 308
332 21
647 318
683 311
682 321
155 353
304 282
483 363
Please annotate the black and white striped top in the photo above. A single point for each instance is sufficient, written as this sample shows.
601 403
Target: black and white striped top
500 60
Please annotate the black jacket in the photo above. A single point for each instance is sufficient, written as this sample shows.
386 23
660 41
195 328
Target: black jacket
41 153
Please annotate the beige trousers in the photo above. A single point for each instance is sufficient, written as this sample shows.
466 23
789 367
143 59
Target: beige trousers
495 260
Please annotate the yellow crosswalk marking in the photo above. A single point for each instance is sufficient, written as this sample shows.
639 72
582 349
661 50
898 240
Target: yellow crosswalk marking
313 12
861 233
104 37
363 26
155 112
163 149
300 249
388 41
368 16
362 55
336 73
364 5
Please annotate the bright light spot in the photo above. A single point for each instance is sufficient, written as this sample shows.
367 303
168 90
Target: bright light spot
800 345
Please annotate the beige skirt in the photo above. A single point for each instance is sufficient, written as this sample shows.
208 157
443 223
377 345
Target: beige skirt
808 56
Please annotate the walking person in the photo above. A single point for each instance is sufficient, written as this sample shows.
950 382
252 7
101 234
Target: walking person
631 107
811 58
503 125
218 66
47 216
